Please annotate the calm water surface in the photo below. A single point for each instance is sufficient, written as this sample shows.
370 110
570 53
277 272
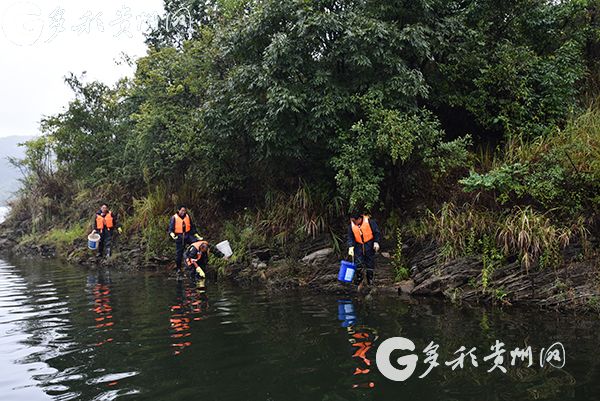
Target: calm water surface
69 333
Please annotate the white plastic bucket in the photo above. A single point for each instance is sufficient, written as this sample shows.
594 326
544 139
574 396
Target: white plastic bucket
225 248
93 240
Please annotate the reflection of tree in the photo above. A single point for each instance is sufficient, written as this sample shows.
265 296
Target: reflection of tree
278 345
453 327
552 383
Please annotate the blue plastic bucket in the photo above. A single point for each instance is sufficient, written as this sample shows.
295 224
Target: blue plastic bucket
93 240
347 270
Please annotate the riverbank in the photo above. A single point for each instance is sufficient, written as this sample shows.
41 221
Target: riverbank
572 286
478 155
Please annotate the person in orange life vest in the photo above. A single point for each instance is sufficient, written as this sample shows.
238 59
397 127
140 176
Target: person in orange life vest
363 243
196 259
105 222
183 231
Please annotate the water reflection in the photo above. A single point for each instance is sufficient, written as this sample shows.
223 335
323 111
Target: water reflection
191 305
102 309
362 340
169 343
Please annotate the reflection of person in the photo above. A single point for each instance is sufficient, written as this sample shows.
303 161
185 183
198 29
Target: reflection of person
363 242
100 289
183 231
104 224
191 305
362 338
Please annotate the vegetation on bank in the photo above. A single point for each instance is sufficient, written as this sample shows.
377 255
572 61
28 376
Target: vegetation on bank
472 123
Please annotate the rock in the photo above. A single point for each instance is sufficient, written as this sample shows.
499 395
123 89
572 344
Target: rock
262 254
406 286
318 256
437 279
6 243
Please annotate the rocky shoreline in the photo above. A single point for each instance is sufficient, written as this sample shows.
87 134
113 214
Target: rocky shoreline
575 286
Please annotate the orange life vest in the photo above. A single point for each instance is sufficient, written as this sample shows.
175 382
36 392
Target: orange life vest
362 233
104 222
197 245
182 225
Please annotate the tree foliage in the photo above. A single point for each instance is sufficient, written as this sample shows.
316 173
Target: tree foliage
362 98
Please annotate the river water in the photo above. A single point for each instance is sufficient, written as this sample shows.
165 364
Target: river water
86 334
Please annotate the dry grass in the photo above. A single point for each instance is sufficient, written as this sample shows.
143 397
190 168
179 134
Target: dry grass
522 232
305 213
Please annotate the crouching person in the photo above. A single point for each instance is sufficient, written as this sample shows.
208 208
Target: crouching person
196 259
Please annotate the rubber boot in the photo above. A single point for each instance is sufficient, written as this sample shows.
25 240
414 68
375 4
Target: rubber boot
370 275
358 276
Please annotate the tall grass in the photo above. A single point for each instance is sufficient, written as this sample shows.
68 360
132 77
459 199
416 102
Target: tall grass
151 214
150 219
521 232
534 237
306 213
457 228
581 136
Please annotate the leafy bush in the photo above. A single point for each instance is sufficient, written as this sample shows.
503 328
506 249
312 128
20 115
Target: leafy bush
560 172
398 261
389 138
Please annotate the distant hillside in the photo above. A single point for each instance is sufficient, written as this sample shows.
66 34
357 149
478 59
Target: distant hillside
9 147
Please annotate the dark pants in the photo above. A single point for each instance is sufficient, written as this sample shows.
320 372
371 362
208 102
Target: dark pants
181 242
365 264
105 243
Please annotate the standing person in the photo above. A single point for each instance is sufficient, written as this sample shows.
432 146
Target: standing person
104 224
363 242
183 231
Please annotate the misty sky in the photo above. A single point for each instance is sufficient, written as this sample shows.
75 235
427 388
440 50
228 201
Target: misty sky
41 41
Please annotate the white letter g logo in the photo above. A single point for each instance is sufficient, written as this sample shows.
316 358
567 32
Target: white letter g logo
383 358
